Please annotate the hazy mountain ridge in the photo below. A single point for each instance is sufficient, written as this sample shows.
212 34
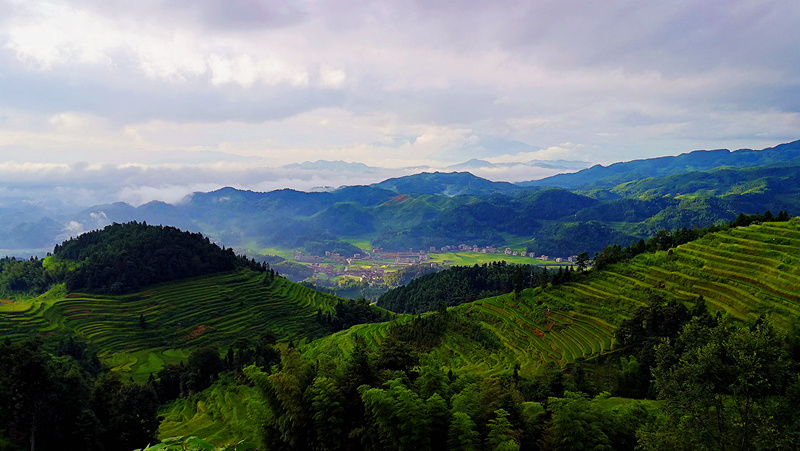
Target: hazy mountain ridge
699 160
437 209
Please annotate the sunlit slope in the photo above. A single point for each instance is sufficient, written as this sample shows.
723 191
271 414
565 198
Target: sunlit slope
211 310
222 415
744 272
530 334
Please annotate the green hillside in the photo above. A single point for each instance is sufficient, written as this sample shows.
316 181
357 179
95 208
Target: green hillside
430 210
742 272
139 332
179 316
501 353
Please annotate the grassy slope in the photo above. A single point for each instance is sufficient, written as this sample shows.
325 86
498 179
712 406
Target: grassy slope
222 415
581 319
744 272
180 316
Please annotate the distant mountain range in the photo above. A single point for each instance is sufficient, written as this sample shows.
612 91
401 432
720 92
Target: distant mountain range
338 165
566 165
560 216
699 160
470 165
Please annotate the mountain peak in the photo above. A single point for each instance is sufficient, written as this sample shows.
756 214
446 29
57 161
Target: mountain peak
446 183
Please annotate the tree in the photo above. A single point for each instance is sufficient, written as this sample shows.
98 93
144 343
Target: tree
576 424
43 400
649 326
501 434
582 261
722 386
133 417
396 355
398 416
439 419
462 435
326 402
288 419
203 366
519 281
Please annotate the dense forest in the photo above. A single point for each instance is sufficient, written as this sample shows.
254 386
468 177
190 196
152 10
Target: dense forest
124 257
720 387
460 284
62 398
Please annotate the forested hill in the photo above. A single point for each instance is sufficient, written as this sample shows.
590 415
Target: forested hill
121 258
457 285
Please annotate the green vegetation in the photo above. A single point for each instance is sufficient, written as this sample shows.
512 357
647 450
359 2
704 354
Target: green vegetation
139 333
68 401
705 322
573 320
125 257
510 331
477 258
461 284
720 387
220 415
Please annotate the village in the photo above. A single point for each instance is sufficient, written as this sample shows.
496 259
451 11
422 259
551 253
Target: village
372 266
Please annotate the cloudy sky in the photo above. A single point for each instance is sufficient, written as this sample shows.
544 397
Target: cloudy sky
112 100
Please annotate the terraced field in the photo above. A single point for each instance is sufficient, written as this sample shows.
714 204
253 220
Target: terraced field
178 317
222 415
532 335
744 272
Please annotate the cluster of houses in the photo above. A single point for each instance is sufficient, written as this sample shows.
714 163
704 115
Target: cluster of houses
506 251
373 274
321 264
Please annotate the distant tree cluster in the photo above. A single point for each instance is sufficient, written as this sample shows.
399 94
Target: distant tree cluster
348 313
457 285
323 242
296 272
23 277
125 257
423 333
406 274
460 284
640 335
744 220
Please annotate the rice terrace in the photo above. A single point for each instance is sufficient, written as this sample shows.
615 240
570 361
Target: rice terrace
747 274
399 226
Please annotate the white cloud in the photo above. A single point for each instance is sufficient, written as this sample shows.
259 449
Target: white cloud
224 89
331 77
564 151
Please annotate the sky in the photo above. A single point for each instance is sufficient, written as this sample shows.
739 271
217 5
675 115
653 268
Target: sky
110 100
